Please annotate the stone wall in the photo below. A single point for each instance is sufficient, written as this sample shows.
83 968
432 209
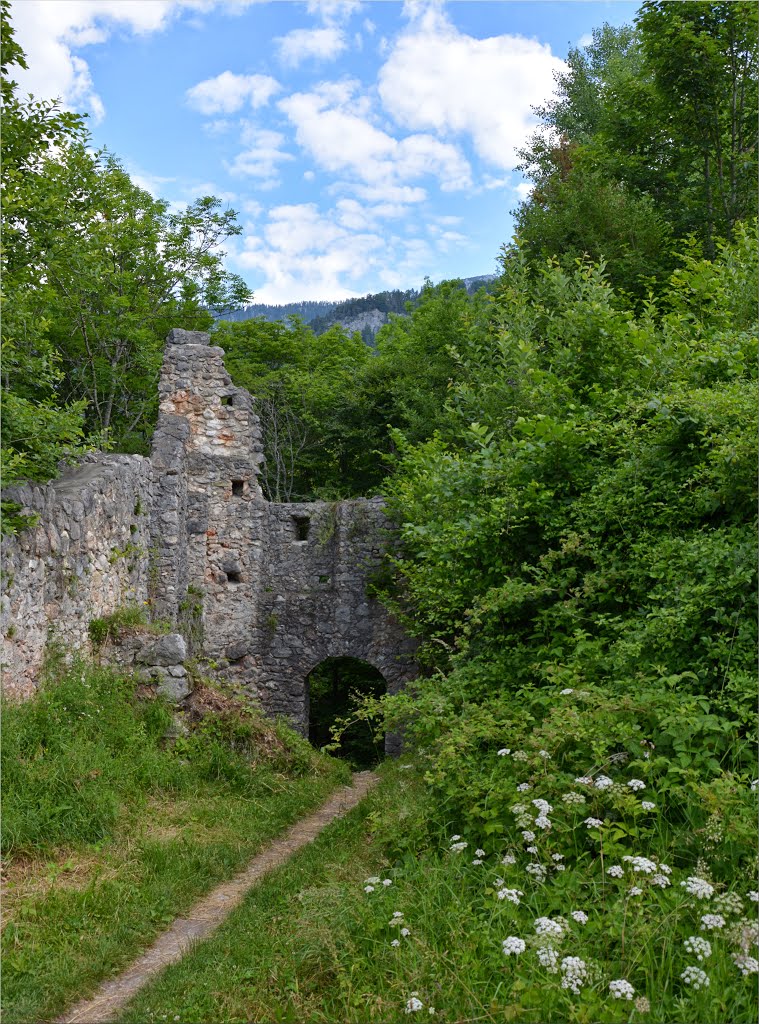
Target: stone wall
88 556
273 589
280 587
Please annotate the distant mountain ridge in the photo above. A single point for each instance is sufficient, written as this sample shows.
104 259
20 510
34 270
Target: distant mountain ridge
365 314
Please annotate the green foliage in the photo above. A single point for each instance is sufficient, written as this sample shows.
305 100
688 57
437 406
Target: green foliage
651 135
109 626
94 273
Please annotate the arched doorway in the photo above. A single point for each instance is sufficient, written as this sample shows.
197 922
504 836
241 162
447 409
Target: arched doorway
333 688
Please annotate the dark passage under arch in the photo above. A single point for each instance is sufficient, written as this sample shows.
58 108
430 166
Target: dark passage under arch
332 688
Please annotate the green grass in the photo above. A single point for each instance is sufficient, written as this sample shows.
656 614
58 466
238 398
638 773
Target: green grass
310 945
111 833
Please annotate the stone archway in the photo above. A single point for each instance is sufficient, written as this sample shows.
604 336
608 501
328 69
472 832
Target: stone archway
331 689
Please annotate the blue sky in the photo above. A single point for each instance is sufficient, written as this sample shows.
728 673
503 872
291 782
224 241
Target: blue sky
366 145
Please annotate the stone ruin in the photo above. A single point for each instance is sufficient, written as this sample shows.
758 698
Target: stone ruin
261 592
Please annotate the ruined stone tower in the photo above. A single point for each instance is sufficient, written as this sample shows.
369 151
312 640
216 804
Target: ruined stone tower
282 586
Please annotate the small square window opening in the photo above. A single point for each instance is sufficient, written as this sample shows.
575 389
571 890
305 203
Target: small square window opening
302 526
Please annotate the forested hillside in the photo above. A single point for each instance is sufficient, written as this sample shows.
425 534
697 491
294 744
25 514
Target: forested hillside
569 459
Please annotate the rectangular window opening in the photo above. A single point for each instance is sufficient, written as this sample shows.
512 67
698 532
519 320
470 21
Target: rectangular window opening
233 577
302 526
238 487
227 400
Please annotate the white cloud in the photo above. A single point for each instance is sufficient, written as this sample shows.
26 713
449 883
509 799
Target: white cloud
49 31
523 189
260 160
310 43
441 79
228 92
333 126
585 40
333 10
152 183
219 126
304 253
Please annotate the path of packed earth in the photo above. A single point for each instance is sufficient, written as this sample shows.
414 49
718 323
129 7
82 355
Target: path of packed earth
206 916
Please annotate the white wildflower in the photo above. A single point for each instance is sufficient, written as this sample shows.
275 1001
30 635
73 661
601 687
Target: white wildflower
729 903
513 945
584 780
753 896
636 784
712 922
405 932
368 888
621 989
477 860
580 916
755 785
698 887
512 895
642 1005
557 856
508 858
665 868
519 755
395 942
700 948
661 880
634 891
593 822
523 787
566 691
544 754
695 977
518 809
479 853
543 806
547 926
548 958
529 837
574 971
531 849
374 880
455 839
621 757
641 864
537 871
647 805
503 752
458 847
414 1005
746 964
615 871
603 782
387 881
560 867
542 822
573 798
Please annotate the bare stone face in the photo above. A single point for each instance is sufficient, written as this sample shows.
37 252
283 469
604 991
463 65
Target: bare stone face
275 588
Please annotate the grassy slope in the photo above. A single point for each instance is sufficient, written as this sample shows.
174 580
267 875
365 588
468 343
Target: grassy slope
88 890
310 945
